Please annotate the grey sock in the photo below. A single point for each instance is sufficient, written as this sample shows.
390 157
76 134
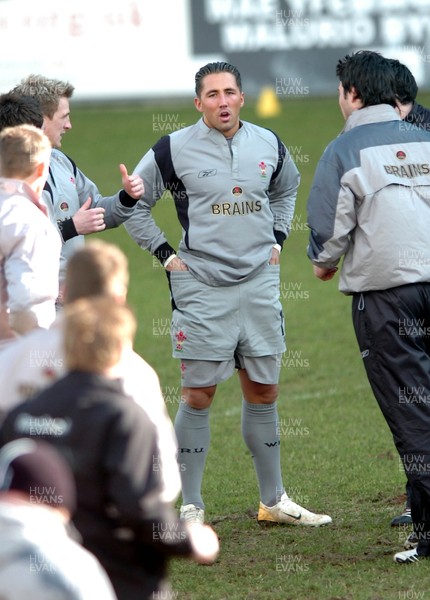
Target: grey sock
261 435
193 435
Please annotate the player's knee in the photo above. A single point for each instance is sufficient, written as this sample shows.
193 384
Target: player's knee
263 394
198 398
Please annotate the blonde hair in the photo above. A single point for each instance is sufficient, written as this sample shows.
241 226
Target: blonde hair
96 269
47 91
22 149
96 331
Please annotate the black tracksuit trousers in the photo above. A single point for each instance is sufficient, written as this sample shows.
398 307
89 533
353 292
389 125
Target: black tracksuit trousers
393 333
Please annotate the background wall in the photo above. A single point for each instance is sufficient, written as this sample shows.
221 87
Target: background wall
137 49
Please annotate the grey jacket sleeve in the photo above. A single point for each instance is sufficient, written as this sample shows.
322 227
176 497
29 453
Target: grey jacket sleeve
331 214
282 195
141 225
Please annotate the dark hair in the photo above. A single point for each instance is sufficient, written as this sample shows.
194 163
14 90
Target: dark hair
371 76
216 67
19 110
406 87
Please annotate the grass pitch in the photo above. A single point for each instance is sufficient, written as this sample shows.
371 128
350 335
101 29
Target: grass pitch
337 453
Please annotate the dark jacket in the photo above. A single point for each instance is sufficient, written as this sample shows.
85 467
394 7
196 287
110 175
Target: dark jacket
419 115
111 445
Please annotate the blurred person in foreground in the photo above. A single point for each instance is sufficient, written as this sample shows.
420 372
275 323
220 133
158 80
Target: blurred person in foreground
74 202
110 444
370 205
39 559
29 244
35 361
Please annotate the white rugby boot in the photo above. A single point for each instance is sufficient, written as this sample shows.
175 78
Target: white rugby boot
408 556
192 514
288 512
411 542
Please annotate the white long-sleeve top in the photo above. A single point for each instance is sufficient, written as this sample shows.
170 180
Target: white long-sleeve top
30 247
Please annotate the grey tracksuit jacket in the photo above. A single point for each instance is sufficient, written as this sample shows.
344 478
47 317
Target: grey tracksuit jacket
66 190
370 203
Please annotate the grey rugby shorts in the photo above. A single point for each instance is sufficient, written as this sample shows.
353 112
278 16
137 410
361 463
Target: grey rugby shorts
216 329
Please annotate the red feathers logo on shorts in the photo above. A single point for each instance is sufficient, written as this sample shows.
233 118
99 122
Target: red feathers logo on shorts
180 339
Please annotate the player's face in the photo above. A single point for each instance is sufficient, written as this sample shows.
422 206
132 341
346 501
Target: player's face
220 102
56 127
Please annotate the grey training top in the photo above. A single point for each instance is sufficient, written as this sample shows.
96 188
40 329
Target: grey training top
234 199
